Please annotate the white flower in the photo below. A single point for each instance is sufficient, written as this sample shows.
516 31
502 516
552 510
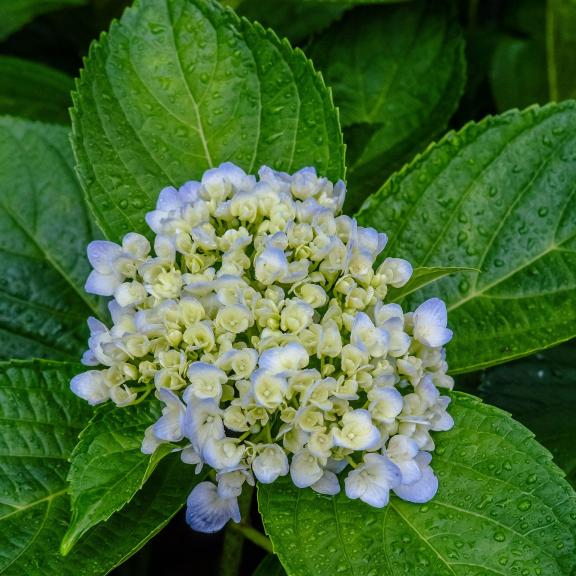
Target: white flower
130 294
402 450
259 314
397 271
357 432
268 389
373 480
207 512
283 359
242 362
296 316
270 265
91 386
205 382
424 489
270 463
386 404
220 183
99 334
430 320
368 337
169 426
305 469
202 421
150 442
222 453
104 279
328 484
230 483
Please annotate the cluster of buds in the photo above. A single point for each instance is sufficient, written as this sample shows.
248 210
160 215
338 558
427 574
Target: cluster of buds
260 325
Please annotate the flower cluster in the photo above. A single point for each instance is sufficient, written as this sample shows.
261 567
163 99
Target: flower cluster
259 322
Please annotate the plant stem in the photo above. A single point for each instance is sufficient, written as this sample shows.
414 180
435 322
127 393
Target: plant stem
254 536
231 557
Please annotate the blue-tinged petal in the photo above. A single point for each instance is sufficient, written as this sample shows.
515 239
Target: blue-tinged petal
327 485
424 489
101 254
207 512
101 284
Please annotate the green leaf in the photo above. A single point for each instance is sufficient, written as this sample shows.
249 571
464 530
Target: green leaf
44 229
540 392
497 196
293 19
561 45
111 543
397 74
178 86
502 508
16 13
108 467
33 90
422 277
39 423
270 566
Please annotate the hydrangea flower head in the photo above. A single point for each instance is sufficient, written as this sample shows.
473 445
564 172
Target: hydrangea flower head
259 321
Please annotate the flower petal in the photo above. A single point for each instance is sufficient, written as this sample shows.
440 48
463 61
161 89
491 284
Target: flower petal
327 485
101 284
207 512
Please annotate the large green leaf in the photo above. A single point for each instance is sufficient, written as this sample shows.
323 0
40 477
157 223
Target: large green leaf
540 392
108 467
397 74
16 13
502 508
178 86
39 422
33 90
497 196
44 229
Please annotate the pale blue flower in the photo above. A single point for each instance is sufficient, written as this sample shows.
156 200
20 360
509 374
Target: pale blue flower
430 320
169 426
372 481
207 512
423 489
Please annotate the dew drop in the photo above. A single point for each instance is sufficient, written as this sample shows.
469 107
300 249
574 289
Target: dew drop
499 537
463 286
524 505
503 560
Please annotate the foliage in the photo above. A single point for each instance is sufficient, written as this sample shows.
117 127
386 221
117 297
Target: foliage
496 196
497 487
